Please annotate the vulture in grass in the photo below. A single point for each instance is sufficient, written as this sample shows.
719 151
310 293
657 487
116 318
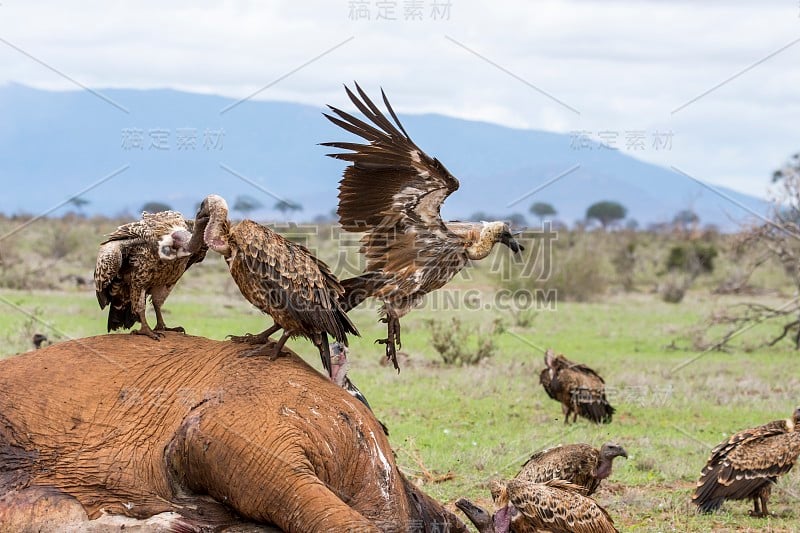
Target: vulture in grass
524 507
393 192
281 278
580 389
145 258
747 465
581 464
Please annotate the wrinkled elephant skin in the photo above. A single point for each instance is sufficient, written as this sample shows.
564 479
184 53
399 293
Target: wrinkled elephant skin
128 426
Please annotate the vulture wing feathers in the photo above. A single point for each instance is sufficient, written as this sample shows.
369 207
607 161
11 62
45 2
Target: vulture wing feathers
285 278
394 191
558 506
747 464
576 463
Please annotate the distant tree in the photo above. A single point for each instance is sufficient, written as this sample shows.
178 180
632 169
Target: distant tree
517 220
244 204
155 207
285 205
542 209
479 216
790 169
78 203
685 218
606 212
632 224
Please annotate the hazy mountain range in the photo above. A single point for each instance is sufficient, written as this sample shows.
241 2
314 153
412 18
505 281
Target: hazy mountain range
177 147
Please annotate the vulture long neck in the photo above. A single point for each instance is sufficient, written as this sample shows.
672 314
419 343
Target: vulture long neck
198 237
216 232
604 468
480 237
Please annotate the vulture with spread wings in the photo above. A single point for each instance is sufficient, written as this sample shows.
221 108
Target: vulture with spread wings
281 278
145 258
393 191
580 389
747 465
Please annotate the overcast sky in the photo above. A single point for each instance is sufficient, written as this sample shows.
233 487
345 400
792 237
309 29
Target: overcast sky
565 66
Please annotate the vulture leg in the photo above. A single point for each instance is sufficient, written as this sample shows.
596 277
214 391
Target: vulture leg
279 345
762 496
392 340
140 307
566 410
160 326
261 338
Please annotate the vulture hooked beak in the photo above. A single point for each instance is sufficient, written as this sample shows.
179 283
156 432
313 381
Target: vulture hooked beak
508 239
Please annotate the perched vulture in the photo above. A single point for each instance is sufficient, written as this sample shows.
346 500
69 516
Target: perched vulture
142 258
580 389
747 465
281 278
580 464
393 191
524 507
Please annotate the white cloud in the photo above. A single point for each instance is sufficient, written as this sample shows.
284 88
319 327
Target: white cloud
624 65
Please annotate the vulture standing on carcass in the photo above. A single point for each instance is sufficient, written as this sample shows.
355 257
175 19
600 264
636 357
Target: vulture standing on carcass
580 389
581 464
524 507
747 465
38 340
393 191
142 258
281 278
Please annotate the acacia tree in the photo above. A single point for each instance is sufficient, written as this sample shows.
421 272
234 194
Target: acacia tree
606 213
244 204
542 209
285 205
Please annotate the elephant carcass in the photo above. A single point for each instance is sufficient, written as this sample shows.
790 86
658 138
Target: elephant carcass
129 426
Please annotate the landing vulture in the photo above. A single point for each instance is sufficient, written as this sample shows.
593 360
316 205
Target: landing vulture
393 191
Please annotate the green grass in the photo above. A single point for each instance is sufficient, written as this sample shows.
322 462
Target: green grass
481 422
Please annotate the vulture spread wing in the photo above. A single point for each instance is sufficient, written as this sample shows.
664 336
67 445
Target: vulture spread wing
282 277
393 191
558 507
576 463
739 467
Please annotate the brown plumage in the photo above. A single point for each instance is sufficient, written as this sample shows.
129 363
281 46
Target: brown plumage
747 465
393 191
281 278
145 258
524 507
580 389
580 464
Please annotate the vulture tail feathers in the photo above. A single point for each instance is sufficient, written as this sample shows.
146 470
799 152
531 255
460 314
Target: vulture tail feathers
358 289
597 409
121 316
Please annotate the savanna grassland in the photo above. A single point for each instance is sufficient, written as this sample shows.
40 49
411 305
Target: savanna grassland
454 427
